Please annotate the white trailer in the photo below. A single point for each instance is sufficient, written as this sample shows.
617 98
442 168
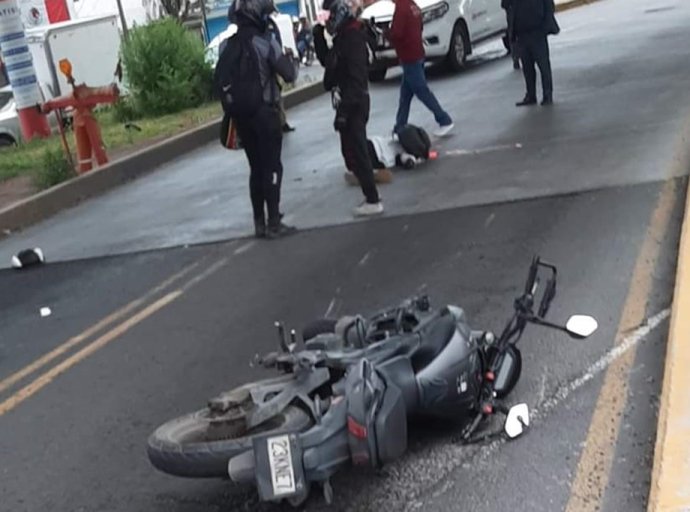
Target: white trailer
92 45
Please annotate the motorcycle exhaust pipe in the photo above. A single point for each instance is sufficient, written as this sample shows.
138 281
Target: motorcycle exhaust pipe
241 468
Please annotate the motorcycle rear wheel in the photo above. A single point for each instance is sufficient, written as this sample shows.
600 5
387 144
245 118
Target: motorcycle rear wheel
188 446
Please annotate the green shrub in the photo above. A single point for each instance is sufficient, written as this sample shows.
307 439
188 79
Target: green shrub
124 110
165 69
55 169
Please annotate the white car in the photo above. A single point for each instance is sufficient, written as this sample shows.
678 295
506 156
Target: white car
9 122
10 129
451 28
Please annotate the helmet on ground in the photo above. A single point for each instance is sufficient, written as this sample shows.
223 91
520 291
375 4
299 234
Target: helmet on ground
341 12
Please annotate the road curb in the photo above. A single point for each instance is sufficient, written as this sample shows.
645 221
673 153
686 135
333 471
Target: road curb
670 490
45 204
571 4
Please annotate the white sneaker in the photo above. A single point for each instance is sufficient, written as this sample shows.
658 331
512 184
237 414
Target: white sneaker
443 131
369 209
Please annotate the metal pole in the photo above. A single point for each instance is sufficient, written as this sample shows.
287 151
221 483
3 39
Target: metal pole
204 21
123 20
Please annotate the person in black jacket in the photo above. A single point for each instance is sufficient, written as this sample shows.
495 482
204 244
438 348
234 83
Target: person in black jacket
347 77
508 41
532 22
261 134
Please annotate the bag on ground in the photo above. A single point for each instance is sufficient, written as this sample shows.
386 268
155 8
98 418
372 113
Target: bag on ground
415 141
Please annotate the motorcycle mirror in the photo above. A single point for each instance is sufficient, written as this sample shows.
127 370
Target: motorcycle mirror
517 420
581 326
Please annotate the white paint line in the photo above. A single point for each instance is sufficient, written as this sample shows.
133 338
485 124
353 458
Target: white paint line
331 307
244 248
480 151
602 364
364 259
207 273
542 389
489 220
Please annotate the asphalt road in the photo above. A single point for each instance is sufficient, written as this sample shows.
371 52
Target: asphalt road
595 188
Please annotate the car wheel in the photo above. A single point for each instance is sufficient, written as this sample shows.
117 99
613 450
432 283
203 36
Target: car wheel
377 75
6 141
459 48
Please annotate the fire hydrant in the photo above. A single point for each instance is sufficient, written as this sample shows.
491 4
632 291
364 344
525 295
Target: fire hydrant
87 132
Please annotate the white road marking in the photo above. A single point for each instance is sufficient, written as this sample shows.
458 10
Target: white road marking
244 248
481 151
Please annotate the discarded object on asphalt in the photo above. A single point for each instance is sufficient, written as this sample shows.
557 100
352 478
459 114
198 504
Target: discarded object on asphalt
45 312
28 258
347 390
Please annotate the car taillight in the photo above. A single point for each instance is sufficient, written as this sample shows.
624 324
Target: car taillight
356 429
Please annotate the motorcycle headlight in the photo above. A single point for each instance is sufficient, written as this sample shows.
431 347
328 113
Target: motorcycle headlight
435 12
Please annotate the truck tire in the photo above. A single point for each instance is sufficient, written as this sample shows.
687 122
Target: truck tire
459 48
377 75
183 446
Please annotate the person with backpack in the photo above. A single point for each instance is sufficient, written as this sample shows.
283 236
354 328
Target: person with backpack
346 76
246 82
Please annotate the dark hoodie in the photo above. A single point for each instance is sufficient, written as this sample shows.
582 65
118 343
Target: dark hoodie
346 64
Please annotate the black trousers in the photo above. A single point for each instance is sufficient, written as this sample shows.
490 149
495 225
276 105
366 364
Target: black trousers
534 49
262 139
354 146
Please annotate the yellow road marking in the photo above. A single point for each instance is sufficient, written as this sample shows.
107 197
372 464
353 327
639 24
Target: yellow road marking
670 489
591 479
102 324
47 377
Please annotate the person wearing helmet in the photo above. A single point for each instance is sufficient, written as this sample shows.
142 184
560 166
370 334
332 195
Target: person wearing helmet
347 77
261 134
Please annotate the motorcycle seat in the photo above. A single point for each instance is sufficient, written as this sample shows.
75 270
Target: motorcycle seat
435 336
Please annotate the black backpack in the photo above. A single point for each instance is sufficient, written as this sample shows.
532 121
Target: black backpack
236 79
415 141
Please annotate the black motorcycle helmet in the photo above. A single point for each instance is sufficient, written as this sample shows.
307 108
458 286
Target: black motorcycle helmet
341 12
256 11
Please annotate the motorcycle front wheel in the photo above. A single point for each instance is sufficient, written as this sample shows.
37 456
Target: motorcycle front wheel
199 445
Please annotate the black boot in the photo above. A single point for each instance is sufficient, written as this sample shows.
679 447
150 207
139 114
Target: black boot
260 228
278 229
526 101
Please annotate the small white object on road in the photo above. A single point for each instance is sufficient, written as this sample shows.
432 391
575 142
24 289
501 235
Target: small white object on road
45 312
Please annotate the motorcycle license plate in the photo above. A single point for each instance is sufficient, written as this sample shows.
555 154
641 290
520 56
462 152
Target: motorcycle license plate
280 461
279 466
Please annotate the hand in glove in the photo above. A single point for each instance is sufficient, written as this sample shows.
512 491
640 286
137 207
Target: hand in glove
340 123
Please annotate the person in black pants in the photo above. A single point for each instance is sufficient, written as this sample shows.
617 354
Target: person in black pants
347 77
261 134
532 22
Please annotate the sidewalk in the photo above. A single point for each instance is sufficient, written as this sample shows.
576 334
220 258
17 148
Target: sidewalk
202 197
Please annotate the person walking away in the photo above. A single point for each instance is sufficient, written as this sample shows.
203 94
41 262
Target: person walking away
346 76
405 34
507 6
304 40
245 79
533 21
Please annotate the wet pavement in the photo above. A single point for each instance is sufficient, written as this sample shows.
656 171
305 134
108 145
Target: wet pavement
152 335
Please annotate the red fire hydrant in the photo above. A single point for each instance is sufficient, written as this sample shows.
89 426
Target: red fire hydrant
87 132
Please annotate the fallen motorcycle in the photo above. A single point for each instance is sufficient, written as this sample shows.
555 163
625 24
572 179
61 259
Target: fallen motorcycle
346 395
